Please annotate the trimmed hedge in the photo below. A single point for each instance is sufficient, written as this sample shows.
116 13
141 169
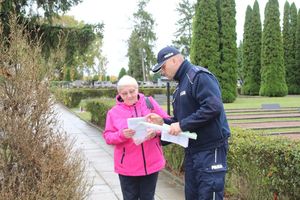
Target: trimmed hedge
72 97
98 110
274 161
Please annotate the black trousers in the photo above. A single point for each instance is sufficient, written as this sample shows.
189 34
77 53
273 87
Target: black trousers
138 187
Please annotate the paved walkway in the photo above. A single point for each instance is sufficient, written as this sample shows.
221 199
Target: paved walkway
99 159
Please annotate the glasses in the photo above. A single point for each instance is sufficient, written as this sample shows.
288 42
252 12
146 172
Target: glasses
129 92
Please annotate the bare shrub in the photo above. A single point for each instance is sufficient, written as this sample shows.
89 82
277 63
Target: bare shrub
36 159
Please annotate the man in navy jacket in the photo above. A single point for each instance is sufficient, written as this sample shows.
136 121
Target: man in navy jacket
198 107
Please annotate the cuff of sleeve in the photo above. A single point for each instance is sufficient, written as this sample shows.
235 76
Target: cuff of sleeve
121 135
158 132
167 121
183 125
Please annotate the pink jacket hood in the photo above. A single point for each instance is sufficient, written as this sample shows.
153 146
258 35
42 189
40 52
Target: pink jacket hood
131 159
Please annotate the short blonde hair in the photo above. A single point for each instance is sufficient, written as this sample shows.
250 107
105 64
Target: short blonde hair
126 81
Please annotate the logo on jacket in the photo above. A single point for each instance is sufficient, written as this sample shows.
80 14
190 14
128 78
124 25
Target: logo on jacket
182 93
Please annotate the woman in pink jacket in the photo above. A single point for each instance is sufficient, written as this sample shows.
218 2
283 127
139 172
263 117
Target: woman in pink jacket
137 165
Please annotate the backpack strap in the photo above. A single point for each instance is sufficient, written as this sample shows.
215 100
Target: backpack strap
149 104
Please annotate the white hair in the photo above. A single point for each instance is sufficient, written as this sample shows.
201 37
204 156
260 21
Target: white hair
126 81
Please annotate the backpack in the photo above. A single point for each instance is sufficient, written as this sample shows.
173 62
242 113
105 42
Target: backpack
151 107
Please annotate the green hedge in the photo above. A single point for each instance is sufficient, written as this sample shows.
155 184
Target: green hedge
72 97
98 110
273 161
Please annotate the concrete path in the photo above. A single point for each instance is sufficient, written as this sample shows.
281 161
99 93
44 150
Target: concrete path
99 161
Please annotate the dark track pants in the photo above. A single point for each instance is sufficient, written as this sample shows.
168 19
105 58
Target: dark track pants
138 187
205 174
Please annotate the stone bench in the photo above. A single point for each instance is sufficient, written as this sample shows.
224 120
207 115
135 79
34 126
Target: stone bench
270 106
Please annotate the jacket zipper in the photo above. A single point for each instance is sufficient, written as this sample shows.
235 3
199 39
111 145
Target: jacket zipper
157 145
142 145
123 155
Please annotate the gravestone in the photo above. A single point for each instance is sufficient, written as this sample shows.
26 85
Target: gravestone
270 106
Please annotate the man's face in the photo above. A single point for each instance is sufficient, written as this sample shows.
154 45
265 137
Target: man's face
169 68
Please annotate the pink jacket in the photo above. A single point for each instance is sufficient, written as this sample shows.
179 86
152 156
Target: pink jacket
131 159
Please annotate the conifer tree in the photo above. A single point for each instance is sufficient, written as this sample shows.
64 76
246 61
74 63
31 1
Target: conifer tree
286 35
205 37
297 56
227 72
290 50
247 51
253 52
273 71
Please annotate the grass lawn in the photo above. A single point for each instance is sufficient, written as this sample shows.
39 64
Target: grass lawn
240 103
256 101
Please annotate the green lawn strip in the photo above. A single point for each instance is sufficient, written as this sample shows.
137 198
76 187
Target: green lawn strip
265 120
263 112
243 102
277 130
84 115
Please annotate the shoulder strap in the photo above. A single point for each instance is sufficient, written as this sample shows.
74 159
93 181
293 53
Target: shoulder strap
149 104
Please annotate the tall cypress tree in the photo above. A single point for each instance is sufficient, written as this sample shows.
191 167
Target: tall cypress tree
297 56
253 55
227 72
256 31
286 35
205 38
247 52
273 71
291 62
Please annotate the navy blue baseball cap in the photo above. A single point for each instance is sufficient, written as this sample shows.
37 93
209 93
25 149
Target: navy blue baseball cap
163 55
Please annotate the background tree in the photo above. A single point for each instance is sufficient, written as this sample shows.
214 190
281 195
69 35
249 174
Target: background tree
289 44
205 37
134 56
183 35
240 74
75 40
122 73
140 43
297 69
227 70
247 51
252 51
273 71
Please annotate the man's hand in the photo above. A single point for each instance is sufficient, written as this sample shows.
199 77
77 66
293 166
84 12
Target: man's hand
175 129
154 119
128 133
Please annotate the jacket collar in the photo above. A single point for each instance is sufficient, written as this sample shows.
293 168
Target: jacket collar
182 71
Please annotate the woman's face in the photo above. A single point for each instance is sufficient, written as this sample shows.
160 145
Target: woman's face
129 94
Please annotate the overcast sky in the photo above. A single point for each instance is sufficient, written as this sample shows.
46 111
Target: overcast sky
117 17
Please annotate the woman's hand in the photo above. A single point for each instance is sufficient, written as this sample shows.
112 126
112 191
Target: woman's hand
150 133
128 133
